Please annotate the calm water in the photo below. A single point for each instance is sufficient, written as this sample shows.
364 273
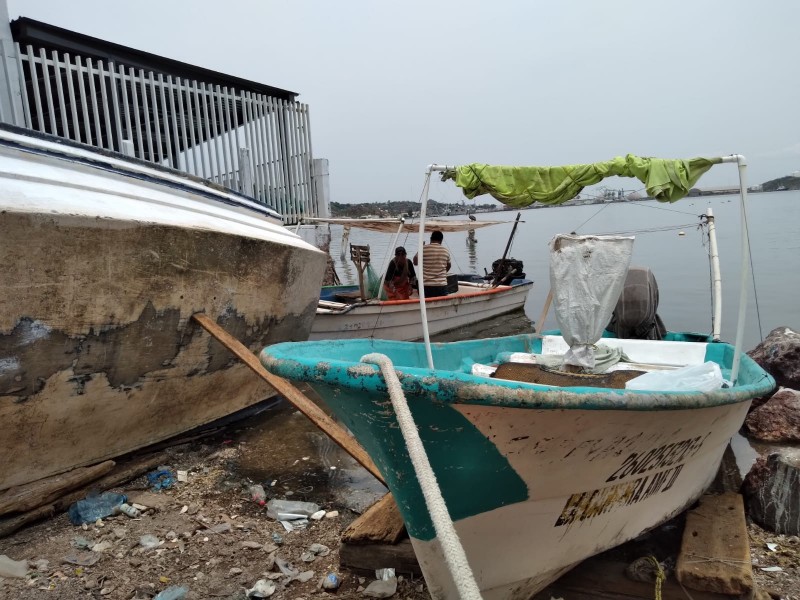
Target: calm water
680 263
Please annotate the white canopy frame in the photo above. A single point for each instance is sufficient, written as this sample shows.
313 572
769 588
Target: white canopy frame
741 163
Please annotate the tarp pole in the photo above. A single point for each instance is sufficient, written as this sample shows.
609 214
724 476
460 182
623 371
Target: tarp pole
426 336
741 161
715 275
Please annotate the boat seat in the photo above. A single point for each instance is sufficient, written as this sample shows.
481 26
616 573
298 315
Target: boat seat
348 297
530 373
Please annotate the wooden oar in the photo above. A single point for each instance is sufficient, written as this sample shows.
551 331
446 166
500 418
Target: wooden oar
299 400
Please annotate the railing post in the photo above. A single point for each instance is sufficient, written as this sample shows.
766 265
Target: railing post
246 172
11 99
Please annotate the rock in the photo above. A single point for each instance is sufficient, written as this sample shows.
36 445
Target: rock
779 355
772 491
251 545
383 588
777 420
13 568
234 572
101 546
332 514
41 565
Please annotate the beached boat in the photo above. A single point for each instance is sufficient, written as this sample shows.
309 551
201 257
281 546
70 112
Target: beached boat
508 473
103 261
344 312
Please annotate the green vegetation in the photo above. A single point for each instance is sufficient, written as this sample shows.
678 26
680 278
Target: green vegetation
782 183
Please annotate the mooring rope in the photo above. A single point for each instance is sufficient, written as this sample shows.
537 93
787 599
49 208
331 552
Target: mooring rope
453 551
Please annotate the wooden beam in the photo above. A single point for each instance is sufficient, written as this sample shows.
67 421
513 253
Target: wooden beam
381 523
366 558
38 493
318 417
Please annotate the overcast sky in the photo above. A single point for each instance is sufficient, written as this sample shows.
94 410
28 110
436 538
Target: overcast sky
396 86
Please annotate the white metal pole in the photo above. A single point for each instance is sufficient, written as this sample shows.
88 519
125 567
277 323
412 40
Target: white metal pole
389 257
426 336
741 161
715 275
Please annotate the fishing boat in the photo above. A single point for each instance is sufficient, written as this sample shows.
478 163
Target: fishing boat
513 459
103 261
347 311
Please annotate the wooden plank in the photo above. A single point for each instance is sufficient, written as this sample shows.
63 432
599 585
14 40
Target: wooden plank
366 558
293 395
120 474
381 523
601 577
38 493
715 551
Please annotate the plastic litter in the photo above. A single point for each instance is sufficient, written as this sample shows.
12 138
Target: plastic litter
277 538
289 510
331 581
161 479
258 495
173 592
148 541
13 568
262 589
95 507
694 378
128 510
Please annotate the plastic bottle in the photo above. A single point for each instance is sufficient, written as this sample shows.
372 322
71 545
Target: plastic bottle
258 494
95 507
127 509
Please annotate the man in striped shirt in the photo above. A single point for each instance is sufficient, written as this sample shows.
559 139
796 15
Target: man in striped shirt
435 265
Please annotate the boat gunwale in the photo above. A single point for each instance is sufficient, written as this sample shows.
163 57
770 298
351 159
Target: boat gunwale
461 388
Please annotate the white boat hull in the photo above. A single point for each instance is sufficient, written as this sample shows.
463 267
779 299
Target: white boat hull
585 492
102 264
401 320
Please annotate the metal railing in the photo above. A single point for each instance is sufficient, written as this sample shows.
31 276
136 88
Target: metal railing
257 145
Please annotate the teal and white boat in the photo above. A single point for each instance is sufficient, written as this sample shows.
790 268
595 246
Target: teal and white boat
508 474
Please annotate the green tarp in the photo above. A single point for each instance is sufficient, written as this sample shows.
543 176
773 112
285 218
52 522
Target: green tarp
666 180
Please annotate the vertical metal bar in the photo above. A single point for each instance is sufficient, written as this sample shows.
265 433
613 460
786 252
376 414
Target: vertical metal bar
221 141
62 106
138 140
36 94
276 198
297 160
261 124
93 93
174 121
261 181
230 138
157 119
112 79
233 120
212 116
23 85
251 192
146 117
197 171
200 128
106 112
315 207
185 117
71 95
281 131
252 141
123 87
290 151
48 91
87 123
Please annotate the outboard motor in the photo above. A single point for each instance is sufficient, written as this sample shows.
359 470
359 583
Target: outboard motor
504 270
635 315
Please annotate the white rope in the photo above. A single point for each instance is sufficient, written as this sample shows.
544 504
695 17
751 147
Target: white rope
454 554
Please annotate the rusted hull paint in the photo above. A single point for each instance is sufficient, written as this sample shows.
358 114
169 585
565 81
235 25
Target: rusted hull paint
98 354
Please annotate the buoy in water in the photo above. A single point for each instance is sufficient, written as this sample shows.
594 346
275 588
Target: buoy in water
681 233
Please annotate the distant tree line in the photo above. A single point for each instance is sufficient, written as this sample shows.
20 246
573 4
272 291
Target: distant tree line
396 209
